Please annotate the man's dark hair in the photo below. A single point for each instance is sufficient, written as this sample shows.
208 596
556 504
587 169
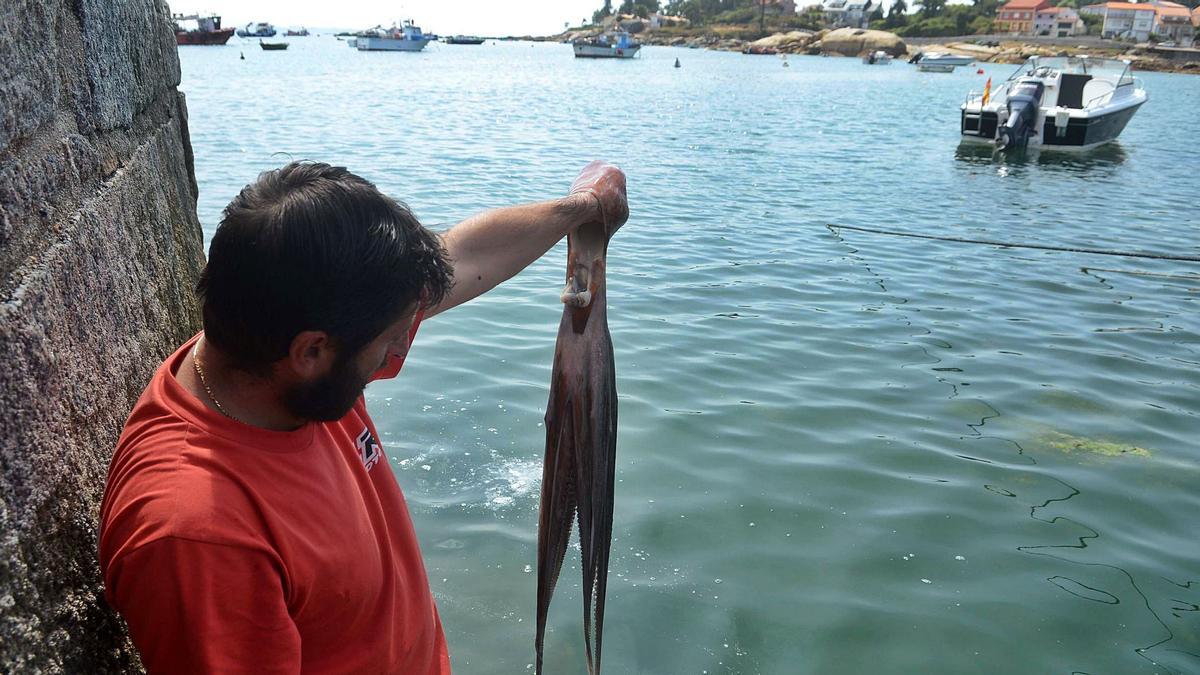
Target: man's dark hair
314 247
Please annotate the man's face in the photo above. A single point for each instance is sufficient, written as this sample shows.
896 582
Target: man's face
329 397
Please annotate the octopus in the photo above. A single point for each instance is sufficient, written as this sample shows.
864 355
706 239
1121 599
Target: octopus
581 437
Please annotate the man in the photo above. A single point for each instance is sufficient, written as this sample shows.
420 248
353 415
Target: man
251 522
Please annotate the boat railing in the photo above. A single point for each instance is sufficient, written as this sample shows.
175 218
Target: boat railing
1102 97
997 91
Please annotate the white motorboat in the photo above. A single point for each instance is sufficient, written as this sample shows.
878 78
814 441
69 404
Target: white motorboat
617 46
877 58
940 59
407 38
1061 102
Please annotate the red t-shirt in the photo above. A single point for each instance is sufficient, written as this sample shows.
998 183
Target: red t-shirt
234 549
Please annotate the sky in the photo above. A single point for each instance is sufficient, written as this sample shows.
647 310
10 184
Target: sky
476 17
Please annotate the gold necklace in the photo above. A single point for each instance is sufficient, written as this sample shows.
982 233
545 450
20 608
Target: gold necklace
204 383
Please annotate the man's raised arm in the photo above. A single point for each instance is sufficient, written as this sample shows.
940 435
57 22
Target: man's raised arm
495 245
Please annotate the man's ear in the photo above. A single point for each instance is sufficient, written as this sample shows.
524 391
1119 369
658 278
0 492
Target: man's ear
311 354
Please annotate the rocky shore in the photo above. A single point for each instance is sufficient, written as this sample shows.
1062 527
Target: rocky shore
857 42
1017 52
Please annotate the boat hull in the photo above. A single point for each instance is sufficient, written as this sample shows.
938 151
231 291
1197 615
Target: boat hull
946 60
196 37
1080 133
377 44
605 52
258 34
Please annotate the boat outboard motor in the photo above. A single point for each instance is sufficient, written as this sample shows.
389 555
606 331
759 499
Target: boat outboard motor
1023 103
916 57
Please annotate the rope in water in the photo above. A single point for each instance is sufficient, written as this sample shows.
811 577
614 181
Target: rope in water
1189 277
1043 247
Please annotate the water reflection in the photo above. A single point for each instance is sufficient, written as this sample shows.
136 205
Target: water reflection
1108 156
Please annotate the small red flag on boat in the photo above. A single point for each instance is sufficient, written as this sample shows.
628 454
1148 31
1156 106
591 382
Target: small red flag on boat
987 91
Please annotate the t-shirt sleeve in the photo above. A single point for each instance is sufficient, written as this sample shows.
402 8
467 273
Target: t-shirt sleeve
394 363
197 607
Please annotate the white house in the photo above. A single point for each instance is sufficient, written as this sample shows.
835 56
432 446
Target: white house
847 13
1057 22
1124 19
660 20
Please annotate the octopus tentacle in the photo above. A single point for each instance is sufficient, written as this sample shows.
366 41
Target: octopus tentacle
581 433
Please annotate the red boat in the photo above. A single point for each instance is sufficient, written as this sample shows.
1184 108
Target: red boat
194 29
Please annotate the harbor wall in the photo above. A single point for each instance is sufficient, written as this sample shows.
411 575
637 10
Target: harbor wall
100 248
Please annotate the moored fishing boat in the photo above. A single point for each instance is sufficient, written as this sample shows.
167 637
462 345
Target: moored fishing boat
616 46
407 38
464 40
273 46
197 29
1061 102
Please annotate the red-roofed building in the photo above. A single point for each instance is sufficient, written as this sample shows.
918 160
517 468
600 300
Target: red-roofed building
1173 23
1016 17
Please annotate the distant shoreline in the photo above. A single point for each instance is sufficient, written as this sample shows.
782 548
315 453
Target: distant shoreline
995 49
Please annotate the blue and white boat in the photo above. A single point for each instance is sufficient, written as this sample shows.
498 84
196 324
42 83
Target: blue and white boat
618 46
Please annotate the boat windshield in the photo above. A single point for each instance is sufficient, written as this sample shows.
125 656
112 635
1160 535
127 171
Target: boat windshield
1082 65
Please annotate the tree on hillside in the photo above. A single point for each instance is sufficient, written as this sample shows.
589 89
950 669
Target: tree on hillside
811 18
877 15
602 13
896 17
700 12
931 8
642 8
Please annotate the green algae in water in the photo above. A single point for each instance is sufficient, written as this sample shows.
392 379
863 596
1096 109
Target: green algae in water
1071 444
1061 399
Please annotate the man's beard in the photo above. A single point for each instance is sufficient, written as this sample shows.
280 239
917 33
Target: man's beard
329 398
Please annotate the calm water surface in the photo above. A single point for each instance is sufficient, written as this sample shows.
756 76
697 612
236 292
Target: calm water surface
839 452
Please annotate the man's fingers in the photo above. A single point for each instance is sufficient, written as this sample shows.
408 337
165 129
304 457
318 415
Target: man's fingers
607 183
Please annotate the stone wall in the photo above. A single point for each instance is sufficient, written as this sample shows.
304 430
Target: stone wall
100 248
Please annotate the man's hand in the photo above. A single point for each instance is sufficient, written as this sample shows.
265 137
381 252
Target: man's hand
607 184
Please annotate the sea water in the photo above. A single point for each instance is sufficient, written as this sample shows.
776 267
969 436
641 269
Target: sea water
839 452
